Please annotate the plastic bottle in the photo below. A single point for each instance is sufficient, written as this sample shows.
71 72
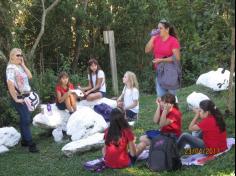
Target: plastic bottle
155 32
49 109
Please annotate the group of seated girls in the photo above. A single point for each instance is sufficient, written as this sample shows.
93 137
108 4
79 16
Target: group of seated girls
128 100
120 150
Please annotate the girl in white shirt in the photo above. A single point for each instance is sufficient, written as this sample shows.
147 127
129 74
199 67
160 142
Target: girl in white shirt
96 82
129 99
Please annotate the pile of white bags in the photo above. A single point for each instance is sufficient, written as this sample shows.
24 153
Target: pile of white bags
216 80
9 137
194 99
92 142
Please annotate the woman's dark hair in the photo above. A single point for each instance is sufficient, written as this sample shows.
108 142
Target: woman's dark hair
208 105
90 62
172 30
63 74
117 124
170 98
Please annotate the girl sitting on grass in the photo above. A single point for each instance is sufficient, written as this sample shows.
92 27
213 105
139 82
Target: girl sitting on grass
119 149
129 99
210 122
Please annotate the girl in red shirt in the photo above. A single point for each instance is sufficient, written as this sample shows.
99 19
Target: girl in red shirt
212 127
65 98
119 146
167 116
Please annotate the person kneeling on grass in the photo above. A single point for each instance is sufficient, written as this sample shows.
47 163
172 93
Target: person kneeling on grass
212 128
119 150
167 116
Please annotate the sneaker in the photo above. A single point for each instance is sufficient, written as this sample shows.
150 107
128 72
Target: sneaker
33 148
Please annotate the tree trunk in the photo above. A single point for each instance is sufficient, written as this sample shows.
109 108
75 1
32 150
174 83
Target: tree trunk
232 68
45 11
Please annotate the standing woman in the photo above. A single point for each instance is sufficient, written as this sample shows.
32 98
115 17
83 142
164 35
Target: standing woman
18 75
166 48
96 82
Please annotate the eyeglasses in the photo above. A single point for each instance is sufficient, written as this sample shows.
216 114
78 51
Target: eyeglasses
19 55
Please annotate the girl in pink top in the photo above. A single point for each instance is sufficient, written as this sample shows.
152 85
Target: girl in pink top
166 48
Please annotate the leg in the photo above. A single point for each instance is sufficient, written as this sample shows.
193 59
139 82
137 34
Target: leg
24 121
68 104
187 138
94 96
144 142
73 101
160 91
173 92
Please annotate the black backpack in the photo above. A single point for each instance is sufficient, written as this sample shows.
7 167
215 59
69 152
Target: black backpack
163 154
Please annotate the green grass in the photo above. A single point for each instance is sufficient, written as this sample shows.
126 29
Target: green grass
51 162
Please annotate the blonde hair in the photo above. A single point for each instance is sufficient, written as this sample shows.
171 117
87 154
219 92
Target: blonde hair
132 79
12 52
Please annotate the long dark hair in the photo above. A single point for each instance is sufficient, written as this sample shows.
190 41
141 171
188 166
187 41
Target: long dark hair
170 98
63 74
208 105
117 124
90 62
172 30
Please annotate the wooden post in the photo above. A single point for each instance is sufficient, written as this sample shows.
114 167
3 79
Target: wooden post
109 39
232 67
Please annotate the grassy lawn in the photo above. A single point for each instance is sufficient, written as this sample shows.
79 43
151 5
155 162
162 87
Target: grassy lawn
51 162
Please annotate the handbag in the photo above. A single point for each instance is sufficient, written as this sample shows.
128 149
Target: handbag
169 75
32 101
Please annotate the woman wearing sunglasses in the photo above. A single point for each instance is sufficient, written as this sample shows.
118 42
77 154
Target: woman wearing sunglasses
17 76
165 47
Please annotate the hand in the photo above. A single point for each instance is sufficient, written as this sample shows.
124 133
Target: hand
19 101
120 104
22 63
158 101
196 111
167 107
156 60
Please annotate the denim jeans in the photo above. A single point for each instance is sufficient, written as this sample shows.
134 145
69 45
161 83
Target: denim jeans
25 120
161 91
193 141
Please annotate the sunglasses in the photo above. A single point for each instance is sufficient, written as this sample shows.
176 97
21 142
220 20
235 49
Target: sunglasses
19 55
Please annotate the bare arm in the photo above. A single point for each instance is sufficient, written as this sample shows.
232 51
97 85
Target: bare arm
157 114
149 45
88 87
97 86
12 92
193 125
60 98
132 148
135 103
27 71
104 151
164 121
175 56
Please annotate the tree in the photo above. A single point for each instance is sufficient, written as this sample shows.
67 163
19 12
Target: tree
45 12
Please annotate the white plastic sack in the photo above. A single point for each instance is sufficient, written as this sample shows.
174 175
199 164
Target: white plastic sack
85 122
54 119
194 99
215 80
3 149
57 134
9 136
111 103
94 141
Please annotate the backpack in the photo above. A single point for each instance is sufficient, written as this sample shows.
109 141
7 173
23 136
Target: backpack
169 75
104 110
163 154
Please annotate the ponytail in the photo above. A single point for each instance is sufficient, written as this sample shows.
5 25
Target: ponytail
208 105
